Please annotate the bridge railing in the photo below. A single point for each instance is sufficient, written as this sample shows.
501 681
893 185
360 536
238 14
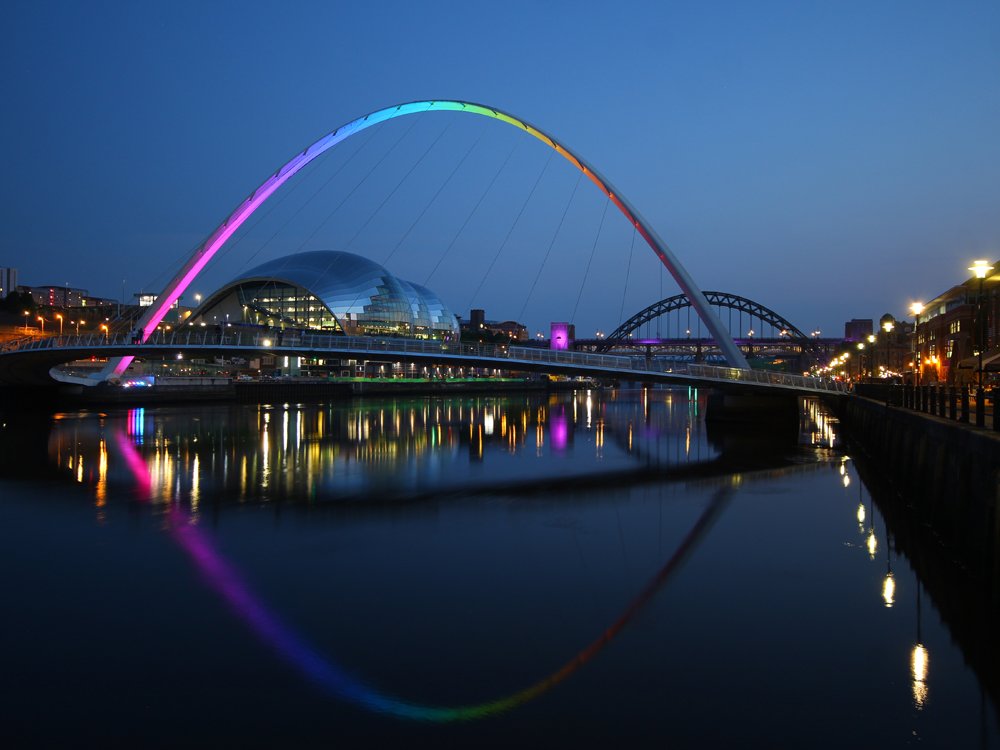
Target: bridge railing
732 374
556 356
285 340
291 341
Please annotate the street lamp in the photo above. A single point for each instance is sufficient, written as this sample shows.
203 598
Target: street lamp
58 315
980 268
871 357
104 328
861 359
887 327
916 308
26 314
42 320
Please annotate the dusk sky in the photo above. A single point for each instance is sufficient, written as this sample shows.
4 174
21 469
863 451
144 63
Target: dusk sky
829 160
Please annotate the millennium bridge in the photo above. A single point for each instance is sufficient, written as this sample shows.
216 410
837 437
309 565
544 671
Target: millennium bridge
36 361
32 361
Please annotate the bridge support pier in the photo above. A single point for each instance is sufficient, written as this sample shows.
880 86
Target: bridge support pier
766 409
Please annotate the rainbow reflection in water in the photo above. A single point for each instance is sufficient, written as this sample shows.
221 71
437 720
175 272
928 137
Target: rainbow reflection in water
283 640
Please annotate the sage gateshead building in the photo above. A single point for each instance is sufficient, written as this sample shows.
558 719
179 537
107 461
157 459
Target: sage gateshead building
337 292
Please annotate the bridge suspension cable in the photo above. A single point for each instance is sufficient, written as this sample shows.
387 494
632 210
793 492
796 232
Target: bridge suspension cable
196 263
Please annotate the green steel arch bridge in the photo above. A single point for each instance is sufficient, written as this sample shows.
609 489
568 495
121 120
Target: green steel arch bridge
767 333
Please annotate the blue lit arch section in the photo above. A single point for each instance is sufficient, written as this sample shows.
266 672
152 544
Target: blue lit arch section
197 262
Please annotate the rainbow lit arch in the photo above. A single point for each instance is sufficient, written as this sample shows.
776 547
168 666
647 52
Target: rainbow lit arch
194 265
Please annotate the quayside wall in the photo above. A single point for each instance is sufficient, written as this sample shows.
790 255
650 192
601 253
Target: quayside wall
946 477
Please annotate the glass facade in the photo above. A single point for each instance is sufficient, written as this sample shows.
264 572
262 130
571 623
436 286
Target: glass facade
333 291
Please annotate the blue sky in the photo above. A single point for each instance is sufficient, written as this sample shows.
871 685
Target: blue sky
829 160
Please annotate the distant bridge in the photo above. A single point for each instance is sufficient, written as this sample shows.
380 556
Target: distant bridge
30 361
789 338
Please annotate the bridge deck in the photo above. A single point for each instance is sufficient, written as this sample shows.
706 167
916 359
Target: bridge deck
28 361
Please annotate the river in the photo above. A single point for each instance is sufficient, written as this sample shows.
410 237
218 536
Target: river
585 569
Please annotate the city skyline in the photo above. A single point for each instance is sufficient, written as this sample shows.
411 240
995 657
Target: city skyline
828 164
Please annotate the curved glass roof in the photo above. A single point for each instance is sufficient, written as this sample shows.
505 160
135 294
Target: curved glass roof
361 294
442 319
418 306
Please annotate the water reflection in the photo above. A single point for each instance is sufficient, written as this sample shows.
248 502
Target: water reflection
154 481
438 460
287 451
388 449
396 449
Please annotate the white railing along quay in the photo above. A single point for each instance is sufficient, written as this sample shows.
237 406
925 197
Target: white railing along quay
304 341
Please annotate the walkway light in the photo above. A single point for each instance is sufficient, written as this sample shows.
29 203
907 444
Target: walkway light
980 268
916 308
59 315
107 333
42 321
26 314
887 327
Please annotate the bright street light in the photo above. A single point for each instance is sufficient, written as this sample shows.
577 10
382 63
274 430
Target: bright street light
42 321
980 268
916 308
58 315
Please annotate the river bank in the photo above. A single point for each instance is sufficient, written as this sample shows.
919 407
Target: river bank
945 478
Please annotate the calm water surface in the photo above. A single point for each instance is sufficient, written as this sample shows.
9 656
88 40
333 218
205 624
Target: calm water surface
589 569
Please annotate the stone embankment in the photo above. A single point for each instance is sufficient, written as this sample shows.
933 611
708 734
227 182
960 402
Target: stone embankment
946 475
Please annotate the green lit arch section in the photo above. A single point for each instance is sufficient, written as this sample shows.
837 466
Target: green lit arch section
196 263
